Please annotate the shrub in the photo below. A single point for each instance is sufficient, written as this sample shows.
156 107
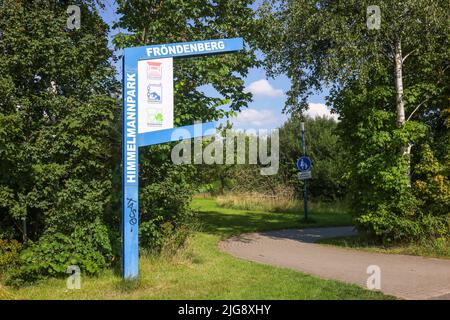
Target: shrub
88 247
150 234
164 202
432 185
398 212
164 238
175 239
9 254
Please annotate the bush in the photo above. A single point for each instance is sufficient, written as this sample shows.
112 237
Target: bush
175 239
164 200
432 184
387 227
392 211
150 234
165 239
88 247
9 254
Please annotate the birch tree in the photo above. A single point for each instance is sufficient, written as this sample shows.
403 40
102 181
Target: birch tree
330 43
387 82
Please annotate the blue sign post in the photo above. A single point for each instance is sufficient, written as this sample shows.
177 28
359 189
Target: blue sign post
132 139
304 165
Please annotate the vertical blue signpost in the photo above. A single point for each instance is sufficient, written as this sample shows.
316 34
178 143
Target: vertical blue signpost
305 192
132 138
130 173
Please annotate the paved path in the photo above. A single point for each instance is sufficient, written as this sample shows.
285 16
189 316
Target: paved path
407 277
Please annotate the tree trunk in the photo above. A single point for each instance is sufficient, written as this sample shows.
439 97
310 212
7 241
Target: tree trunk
24 227
398 77
222 185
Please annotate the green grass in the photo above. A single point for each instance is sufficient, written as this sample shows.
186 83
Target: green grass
439 248
201 271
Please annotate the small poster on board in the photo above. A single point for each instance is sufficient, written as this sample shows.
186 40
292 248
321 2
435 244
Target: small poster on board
155 94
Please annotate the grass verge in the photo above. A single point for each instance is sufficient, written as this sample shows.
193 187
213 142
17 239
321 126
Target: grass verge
438 248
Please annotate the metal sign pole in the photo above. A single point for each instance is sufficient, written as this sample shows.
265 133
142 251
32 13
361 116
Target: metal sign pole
305 190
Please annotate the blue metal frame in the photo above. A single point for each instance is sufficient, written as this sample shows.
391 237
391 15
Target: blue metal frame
148 52
167 135
132 140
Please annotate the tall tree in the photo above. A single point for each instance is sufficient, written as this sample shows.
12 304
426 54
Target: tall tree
155 21
58 134
330 43
388 85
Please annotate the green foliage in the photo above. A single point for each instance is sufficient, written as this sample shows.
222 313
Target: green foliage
59 141
325 150
218 178
383 202
327 44
228 222
323 146
87 247
165 196
203 271
439 247
154 22
432 184
60 132
9 254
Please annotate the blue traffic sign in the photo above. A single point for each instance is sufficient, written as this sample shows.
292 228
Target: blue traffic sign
304 164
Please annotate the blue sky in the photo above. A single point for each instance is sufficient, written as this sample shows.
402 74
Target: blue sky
265 112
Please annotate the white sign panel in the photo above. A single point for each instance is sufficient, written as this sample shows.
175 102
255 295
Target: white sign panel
155 94
304 175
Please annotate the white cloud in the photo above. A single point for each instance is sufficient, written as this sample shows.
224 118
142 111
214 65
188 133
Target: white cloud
258 119
320 110
263 88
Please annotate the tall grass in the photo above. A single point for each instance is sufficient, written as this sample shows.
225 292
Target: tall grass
256 201
283 202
